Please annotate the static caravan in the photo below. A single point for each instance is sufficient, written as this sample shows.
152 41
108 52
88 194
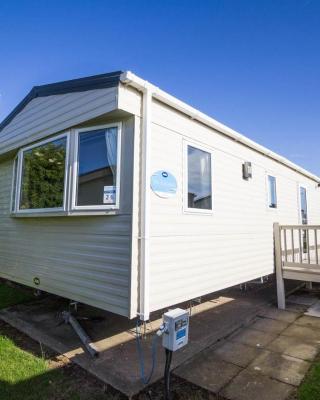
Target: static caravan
118 195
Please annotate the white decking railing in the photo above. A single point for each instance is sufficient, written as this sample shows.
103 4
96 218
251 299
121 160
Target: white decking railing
297 255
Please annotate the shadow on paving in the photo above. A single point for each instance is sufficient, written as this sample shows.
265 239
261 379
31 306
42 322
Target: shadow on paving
266 359
215 318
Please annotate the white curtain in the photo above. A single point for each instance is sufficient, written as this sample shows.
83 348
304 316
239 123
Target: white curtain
111 142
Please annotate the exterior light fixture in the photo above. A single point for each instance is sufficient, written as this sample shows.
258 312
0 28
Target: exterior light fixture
247 170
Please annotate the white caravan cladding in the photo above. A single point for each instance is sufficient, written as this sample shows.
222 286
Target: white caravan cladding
144 203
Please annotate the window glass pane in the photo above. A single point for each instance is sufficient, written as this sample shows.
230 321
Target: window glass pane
43 173
272 192
199 179
303 205
97 167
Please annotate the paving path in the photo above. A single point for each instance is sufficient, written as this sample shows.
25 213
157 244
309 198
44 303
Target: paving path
267 359
216 317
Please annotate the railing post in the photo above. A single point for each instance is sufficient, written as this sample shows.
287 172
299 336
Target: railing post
278 264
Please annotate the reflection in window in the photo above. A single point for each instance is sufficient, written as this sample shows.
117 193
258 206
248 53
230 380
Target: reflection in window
199 179
43 174
97 167
272 191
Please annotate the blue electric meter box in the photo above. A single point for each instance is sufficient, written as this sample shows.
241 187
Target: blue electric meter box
176 329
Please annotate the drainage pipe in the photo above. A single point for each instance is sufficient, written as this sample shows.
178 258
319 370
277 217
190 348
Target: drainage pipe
85 339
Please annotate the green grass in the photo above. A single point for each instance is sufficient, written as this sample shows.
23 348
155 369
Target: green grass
310 388
22 375
26 376
10 296
20 371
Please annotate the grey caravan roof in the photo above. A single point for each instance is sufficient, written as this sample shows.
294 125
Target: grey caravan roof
101 81
57 107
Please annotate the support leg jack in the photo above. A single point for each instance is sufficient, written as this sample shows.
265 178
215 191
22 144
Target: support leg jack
87 342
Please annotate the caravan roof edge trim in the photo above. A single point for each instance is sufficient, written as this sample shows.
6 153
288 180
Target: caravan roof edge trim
113 79
101 81
128 78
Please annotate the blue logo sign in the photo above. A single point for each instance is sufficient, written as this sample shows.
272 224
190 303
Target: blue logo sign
164 184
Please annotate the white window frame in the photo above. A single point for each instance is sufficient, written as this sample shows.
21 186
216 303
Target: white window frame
75 165
30 211
186 209
299 201
14 184
269 193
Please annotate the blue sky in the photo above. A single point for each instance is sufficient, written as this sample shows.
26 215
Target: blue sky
253 65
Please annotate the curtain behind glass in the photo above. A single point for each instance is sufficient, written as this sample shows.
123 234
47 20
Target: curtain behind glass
97 160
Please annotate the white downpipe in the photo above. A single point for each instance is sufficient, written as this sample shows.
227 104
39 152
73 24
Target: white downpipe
144 284
145 208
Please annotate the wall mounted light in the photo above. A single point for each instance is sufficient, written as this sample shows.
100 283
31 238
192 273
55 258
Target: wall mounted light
247 170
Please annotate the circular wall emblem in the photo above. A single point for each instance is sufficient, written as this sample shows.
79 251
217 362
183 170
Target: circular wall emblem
164 184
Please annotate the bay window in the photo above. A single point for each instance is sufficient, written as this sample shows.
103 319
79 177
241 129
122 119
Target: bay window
42 183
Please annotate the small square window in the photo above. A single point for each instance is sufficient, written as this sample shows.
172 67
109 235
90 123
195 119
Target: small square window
272 192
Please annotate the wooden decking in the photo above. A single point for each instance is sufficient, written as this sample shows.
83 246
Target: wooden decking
297 255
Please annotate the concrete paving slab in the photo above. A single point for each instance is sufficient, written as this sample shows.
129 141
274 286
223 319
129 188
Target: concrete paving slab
237 353
252 337
297 308
213 320
208 372
305 299
279 315
307 320
252 386
269 325
314 310
295 347
284 368
303 333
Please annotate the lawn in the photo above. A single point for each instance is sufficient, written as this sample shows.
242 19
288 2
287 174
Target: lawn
310 388
27 374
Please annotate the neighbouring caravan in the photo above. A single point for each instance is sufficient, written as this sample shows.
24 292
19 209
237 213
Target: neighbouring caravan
118 195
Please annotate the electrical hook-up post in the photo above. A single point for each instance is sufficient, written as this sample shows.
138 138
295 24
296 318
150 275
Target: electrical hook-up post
174 332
